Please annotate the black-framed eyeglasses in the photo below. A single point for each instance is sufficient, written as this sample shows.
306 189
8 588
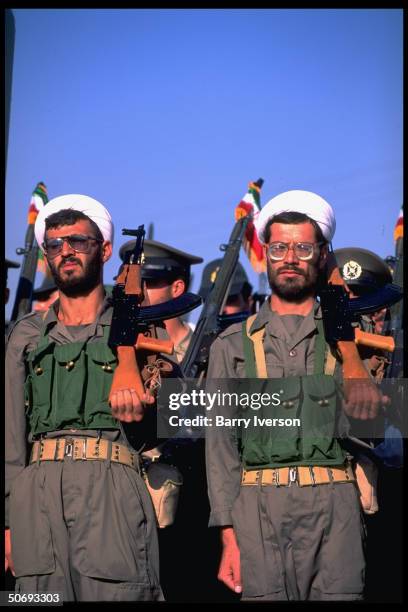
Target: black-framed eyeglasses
304 251
78 242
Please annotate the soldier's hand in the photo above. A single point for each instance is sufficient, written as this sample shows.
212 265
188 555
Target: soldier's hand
363 399
7 549
127 406
230 566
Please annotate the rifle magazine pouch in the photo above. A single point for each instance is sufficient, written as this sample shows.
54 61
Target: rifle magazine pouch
366 473
163 482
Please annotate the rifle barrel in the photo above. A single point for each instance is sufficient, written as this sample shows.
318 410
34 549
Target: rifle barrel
208 325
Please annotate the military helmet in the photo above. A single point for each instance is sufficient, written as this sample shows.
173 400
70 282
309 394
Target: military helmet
239 280
362 268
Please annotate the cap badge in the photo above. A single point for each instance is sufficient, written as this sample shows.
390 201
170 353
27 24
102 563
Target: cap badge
352 270
214 274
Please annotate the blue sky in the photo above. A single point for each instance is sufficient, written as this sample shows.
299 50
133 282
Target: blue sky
166 115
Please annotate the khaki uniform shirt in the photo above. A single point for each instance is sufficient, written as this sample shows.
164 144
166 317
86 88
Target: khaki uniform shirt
285 355
23 338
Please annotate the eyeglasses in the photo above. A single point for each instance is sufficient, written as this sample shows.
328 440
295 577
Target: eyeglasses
78 242
277 251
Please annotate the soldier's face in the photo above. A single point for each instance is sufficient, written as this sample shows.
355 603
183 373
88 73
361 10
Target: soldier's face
293 279
77 273
160 291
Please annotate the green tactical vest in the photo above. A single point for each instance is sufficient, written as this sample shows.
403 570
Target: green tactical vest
313 399
68 385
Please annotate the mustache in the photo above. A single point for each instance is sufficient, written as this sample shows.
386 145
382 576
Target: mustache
291 269
70 259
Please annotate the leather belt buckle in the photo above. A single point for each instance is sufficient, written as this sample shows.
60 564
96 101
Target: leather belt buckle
69 447
80 448
293 475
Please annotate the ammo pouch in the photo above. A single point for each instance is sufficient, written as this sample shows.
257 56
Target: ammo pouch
366 471
163 481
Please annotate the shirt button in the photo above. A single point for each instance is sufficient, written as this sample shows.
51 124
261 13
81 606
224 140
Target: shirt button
293 353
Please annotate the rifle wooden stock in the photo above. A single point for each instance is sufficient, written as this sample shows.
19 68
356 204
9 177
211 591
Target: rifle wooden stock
385 343
153 344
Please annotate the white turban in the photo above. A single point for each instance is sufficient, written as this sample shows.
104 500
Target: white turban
90 207
305 202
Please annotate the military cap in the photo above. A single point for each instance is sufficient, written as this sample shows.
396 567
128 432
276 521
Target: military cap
362 268
210 272
48 285
161 260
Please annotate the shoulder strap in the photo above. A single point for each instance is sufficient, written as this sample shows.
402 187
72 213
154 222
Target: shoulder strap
255 363
249 355
320 348
325 361
43 340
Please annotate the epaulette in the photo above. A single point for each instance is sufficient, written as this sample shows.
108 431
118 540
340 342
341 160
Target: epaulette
235 328
13 325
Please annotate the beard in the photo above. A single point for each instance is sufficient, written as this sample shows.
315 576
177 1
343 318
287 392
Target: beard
74 283
293 288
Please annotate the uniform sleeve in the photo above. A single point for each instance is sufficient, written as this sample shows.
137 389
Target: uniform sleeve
15 420
223 462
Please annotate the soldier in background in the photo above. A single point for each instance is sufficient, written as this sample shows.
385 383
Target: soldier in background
167 275
240 293
166 272
365 272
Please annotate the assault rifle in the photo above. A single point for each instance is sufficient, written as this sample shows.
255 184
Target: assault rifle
211 321
390 451
132 332
24 293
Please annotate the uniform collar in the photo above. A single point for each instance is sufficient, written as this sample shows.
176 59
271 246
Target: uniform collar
58 330
275 327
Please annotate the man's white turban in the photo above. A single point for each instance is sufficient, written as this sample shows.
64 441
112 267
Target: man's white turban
90 207
305 202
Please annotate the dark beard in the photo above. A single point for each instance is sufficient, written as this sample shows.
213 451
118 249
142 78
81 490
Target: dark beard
295 289
74 286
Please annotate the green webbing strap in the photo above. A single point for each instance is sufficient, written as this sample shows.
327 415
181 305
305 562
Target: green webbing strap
43 339
320 348
249 353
